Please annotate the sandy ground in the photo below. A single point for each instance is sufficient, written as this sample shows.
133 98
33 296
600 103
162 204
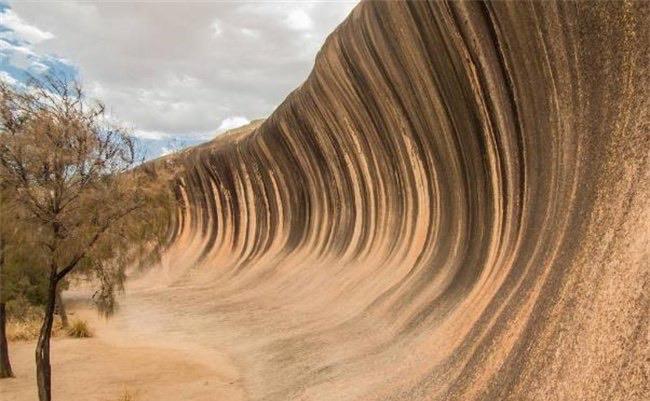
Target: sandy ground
122 356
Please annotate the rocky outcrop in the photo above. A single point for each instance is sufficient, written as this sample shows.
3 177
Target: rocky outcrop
453 205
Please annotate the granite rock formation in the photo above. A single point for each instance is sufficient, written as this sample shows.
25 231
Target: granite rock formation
453 206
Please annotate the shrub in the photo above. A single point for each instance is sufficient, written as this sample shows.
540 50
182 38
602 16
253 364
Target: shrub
21 330
24 322
79 329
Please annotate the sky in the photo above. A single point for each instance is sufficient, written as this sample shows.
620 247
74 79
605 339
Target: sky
175 72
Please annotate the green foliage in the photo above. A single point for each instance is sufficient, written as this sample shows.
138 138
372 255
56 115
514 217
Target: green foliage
23 282
20 309
23 278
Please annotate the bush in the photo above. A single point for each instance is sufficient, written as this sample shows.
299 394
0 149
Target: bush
24 321
18 330
21 309
79 329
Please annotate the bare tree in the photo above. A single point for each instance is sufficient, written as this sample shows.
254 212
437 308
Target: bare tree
73 173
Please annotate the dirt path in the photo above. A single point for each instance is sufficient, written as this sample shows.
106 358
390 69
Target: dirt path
139 351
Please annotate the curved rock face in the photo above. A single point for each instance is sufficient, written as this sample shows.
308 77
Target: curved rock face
453 205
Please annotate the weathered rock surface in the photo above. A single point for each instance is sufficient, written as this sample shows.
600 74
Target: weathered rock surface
453 205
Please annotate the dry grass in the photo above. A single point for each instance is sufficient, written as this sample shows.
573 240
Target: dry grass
79 329
127 395
28 329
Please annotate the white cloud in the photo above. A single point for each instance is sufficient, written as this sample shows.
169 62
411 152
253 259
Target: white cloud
38 67
25 31
4 76
7 47
299 20
16 55
232 122
155 135
169 78
251 33
216 28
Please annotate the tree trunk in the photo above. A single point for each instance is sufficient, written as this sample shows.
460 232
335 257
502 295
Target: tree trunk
5 366
43 369
61 309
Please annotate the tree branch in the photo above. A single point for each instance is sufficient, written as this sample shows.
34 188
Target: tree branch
71 265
